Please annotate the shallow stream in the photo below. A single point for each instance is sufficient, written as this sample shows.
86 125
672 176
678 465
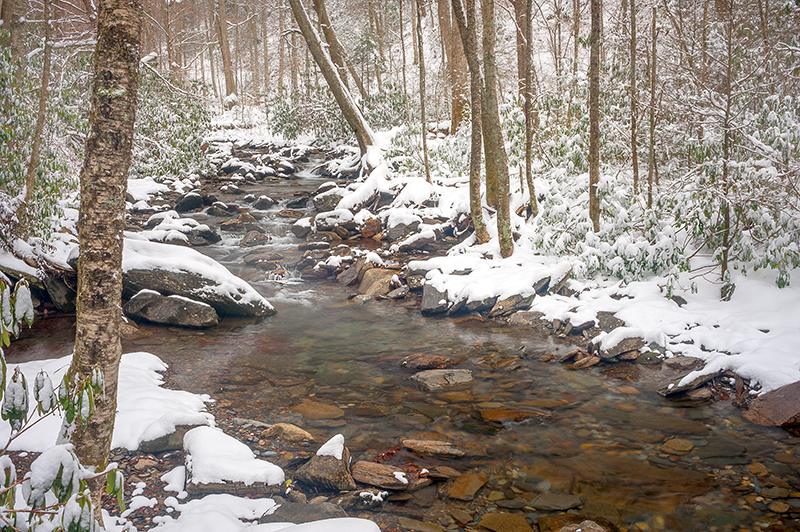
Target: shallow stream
604 442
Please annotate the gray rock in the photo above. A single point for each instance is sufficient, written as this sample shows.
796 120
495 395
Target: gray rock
607 321
169 442
194 286
62 296
540 286
398 293
298 513
510 305
376 281
433 300
439 379
398 231
173 310
481 304
327 472
327 201
254 238
263 203
221 209
190 202
673 386
556 501
624 346
202 236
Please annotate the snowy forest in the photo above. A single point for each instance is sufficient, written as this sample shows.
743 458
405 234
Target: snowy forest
484 243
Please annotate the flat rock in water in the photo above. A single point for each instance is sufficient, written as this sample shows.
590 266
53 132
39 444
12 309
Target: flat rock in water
466 486
434 301
297 513
677 446
434 448
673 386
170 310
505 522
438 379
419 361
254 238
288 432
380 475
556 501
315 410
779 407
501 414
418 526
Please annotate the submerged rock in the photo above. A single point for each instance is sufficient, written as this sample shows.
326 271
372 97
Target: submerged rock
438 379
288 432
466 486
418 361
151 306
505 522
436 448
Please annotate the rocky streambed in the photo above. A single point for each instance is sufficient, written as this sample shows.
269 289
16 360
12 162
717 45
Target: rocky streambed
477 420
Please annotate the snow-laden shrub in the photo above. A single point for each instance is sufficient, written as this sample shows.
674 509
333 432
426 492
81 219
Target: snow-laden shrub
54 494
170 123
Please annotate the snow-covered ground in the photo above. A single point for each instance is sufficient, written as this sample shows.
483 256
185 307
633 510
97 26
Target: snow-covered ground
147 411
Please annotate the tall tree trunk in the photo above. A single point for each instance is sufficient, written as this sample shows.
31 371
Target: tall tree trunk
422 93
265 38
530 118
282 46
594 117
403 53
350 110
7 14
521 21
334 47
103 181
225 49
36 148
651 159
469 39
492 134
166 10
456 66
634 147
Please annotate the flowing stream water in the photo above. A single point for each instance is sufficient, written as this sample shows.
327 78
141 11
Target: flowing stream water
607 439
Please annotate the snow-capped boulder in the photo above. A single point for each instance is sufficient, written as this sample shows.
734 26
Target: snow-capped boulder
184 272
329 469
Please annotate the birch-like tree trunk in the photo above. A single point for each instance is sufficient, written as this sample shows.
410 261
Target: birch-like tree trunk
466 22
103 182
594 117
634 111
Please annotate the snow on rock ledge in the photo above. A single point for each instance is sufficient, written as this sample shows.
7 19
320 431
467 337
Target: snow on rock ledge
185 272
218 462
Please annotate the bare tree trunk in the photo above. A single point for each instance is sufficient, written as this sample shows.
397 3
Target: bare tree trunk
36 148
467 28
403 50
103 180
7 14
265 39
166 11
530 119
492 134
350 110
282 47
337 51
651 160
456 66
422 92
634 147
225 49
594 117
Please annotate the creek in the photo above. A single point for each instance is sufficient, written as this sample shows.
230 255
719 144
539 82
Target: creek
633 457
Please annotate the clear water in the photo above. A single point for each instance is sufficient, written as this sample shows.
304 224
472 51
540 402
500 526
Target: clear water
604 440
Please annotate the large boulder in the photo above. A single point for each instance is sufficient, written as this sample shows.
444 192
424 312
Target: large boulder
151 306
174 270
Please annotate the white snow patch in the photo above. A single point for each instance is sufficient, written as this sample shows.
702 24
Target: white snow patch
333 447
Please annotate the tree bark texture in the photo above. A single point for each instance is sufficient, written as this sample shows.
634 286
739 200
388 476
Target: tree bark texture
492 133
469 39
103 181
651 159
456 66
530 118
36 148
634 111
350 110
422 93
594 117
225 49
